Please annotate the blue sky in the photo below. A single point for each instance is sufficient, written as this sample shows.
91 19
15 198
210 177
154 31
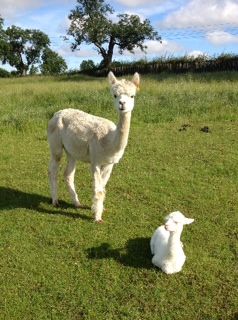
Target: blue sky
187 26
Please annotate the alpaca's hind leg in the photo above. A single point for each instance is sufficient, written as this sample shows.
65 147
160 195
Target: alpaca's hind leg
99 194
53 171
69 178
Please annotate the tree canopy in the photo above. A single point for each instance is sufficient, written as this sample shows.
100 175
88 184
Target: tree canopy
23 47
91 24
53 63
27 49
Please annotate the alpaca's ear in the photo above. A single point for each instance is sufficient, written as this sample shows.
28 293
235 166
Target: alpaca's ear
111 78
188 221
136 80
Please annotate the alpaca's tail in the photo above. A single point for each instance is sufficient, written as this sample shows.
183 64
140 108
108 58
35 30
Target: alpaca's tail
54 136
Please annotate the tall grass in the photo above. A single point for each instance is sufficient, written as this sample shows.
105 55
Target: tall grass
57 264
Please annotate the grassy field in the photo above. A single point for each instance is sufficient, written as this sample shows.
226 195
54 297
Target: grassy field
56 263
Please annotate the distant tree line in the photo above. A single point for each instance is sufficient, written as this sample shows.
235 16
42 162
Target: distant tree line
202 63
28 51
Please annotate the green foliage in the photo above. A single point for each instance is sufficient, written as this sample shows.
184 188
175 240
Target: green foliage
33 70
87 65
2 39
90 24
53 63
56 263
24 47
130 32
4 73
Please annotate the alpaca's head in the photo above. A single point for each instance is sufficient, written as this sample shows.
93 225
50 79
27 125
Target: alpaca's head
175 221
124 92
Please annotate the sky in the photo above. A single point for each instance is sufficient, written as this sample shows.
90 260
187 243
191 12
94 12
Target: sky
187 27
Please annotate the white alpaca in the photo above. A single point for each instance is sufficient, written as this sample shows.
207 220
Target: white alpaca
166 246
91 139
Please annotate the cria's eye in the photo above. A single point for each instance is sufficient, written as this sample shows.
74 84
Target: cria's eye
132 97
115 95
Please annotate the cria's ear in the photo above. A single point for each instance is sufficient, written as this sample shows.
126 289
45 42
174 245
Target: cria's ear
111 78
136 80
188 221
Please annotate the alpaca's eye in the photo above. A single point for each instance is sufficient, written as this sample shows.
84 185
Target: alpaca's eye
132 97
115 96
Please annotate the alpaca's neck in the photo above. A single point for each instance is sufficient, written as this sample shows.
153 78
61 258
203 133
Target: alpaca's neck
122 131
174 243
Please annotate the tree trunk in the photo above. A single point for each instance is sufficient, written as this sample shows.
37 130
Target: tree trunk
107 57
107 61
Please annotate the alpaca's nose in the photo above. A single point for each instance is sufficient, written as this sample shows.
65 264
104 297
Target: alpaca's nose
122 104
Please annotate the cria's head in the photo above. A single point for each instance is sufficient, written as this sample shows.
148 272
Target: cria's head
124 91
175 221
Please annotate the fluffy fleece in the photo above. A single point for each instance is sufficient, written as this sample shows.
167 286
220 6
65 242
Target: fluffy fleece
166 247
92 139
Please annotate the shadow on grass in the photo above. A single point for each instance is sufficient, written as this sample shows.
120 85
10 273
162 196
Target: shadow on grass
136 253
13 199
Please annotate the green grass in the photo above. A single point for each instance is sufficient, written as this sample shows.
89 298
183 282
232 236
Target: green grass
56 263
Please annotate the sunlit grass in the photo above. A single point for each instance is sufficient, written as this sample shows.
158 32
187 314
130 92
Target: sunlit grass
56 263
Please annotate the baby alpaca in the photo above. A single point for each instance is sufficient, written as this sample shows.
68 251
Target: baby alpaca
165 244
92 139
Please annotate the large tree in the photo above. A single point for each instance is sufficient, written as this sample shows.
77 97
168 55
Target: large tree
91 24
52 63
24 47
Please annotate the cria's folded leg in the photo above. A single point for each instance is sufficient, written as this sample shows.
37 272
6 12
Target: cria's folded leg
69 178
98 194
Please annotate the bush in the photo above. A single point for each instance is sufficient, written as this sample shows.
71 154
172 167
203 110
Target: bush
4 73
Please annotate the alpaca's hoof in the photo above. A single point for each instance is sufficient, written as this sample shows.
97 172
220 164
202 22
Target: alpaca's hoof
99 221
55 204
77 205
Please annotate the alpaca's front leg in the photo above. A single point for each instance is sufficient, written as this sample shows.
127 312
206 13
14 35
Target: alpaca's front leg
99 194
106 171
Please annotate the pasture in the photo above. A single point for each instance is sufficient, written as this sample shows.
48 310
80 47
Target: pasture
56 263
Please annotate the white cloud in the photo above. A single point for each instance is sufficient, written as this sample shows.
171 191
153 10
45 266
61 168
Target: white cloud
11 9
221 38
85 53
136 3
197 53
200 13
155 48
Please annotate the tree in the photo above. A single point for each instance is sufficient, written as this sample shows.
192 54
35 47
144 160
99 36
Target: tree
52 63
87 65
90 24
2 39
24 47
